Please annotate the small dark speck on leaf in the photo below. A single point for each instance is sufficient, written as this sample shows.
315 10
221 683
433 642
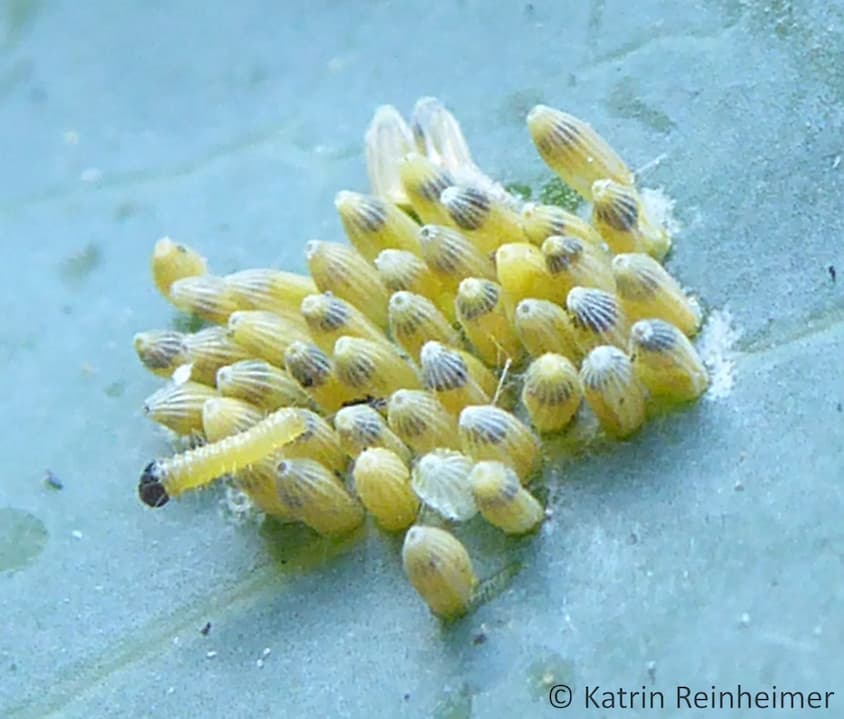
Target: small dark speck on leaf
831 270
80 264
479 638
206 630
52 481
407 697
115 389
838 407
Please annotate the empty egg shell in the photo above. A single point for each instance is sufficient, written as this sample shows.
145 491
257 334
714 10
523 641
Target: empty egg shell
440 479
388 139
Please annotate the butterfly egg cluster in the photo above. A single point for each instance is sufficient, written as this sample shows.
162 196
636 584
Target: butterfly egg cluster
413 373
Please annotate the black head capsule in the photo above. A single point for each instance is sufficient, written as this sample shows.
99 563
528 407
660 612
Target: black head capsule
150 489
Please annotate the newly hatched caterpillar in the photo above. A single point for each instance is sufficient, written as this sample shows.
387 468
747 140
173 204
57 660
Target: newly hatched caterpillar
440 570
440 479
160 351
543 326
502 500
386 142
552 392
382 481
314 495
572 149
269 289
360 427
262 384
540 222
405 272
165 478
456 378
329 318
486 221
373 224
597 319
315 372
666 362
618 215
646 290
489 432
423 183
421 421
522 273
414 320
265 334
225 416
372 368
173 261
206 296
208 350
612 391
481 312
452 257
178 406
318 441
573 263
344 272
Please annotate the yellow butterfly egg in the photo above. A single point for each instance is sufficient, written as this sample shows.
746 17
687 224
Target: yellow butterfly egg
540 222
360 427
618 215
344 272
456 378
372 369
453 257
328 318
440 570
438 135
522 274
262 384
573 263
421 421
318 441
647 290
612 390
597 318
382 481
502 500
258 481
173 261
544 326
160 351
373 224
481 313
552 392
265 334
415 320
272 290
314 495
225 416
388 139
208 350
206 296
315 372
489 432
485 220
423 183
165 478
666 362
440 479
179 406
572 149
405 272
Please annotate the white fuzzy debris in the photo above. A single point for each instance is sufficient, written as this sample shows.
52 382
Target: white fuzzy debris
237 507
744 619
659 207
76 534
210 654
91 175
716 344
